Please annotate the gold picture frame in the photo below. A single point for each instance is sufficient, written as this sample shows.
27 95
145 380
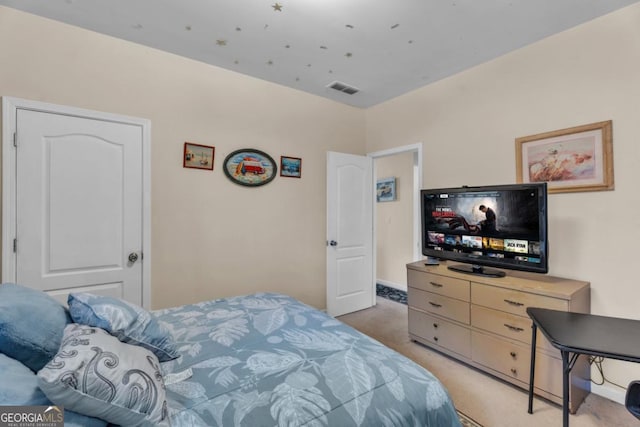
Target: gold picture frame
568 160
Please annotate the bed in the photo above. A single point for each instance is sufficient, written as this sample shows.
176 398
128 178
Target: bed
257 360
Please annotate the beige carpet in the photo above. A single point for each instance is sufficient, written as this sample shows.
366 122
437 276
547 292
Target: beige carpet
490 402
467 421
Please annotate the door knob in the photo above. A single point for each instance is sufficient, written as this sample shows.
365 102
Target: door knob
333 243
133 257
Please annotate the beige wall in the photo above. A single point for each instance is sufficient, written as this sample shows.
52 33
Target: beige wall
394 222
210 237
469 122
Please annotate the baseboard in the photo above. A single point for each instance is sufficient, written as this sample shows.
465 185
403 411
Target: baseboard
611 393
392 284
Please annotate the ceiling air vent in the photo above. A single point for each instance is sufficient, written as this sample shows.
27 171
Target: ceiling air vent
341 87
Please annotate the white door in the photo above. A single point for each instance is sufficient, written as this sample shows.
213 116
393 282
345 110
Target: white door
350 284
78 204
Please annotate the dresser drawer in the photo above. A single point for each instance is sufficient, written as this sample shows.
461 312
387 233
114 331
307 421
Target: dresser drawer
515 361
508 325
442 285
440 333
513 301
444 306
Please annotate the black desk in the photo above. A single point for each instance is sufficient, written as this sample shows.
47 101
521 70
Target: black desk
577 333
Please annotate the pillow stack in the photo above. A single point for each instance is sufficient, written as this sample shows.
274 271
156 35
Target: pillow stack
101 358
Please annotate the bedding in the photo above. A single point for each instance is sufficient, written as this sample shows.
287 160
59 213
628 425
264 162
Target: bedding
19 386
31 325
258 360
267 360
128 322
97 375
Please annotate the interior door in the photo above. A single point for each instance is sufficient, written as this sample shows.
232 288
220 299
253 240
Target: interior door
350 284
78 211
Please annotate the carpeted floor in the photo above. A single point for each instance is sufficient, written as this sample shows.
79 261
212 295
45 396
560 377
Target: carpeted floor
467 421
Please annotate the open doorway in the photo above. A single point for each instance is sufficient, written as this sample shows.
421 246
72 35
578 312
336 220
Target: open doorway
396 233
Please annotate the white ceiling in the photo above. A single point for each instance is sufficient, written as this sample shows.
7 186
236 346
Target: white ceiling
382 48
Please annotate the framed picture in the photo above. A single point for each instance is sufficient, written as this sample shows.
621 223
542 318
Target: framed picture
569 160
198 156
250 167
386 189
290 167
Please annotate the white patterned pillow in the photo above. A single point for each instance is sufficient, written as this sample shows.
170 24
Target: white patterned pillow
97 375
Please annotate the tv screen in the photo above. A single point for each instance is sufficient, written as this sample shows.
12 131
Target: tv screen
503 226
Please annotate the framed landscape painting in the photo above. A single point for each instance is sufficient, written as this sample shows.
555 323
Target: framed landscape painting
198 156
290 167
568 160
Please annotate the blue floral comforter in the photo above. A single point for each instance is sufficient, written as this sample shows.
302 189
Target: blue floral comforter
270 360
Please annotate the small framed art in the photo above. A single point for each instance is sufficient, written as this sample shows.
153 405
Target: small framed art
198 156
386 189
290 166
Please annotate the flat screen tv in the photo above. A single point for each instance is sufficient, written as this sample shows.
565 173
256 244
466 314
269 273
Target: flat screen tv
501 226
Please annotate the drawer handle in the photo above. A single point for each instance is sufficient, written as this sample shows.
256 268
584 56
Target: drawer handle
435 325
514 371
513 328
513 354
516 303
437 285
435 339
435 304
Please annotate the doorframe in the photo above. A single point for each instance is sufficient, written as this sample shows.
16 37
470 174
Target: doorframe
10 106
416 149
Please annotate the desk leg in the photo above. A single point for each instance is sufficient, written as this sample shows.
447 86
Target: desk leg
565 388
532 369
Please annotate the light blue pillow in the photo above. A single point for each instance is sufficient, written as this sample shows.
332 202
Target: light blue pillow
97 375
128 322
19 387
31 325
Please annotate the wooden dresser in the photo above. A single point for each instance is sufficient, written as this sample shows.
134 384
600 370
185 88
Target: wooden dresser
482 321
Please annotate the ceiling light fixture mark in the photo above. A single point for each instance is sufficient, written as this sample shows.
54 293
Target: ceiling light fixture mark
187 27
348 54
221 42
287 46
137 26
394 26
238 29
410 42
269 62
277 7
349 26
323 47
266 26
